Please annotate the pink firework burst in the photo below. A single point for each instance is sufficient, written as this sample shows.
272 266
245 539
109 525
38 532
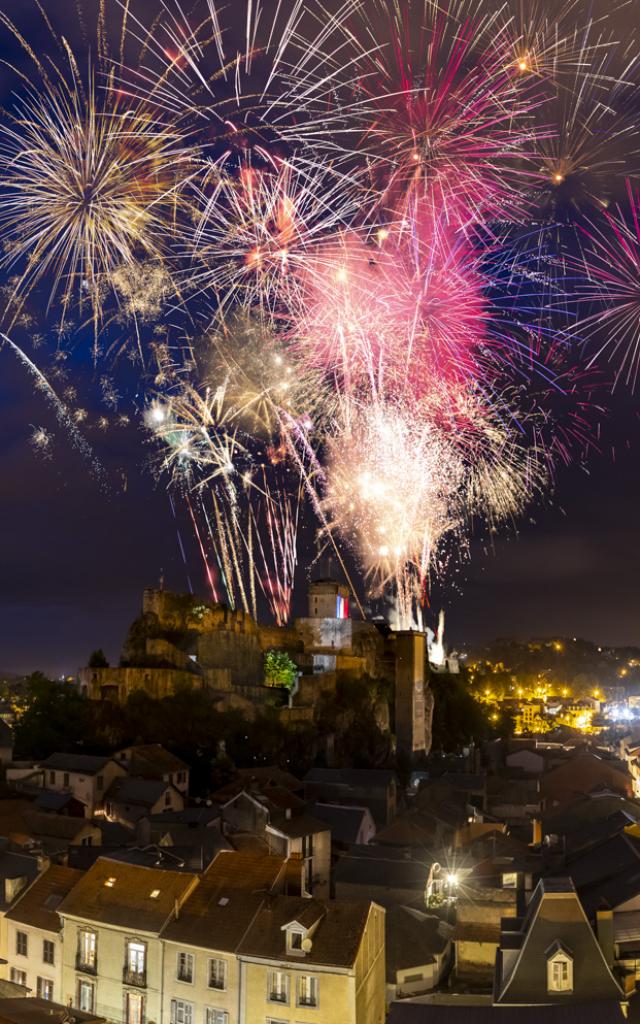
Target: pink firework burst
387 314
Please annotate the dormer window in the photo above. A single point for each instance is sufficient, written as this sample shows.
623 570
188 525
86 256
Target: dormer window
295 938
560 972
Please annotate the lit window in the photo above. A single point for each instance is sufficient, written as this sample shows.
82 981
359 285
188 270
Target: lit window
110 882
136 958
18 977
560 973
278 987
153 895
85 996
307 991
134 1008
86 950
44 988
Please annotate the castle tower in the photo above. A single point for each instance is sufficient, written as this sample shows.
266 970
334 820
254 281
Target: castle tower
328 599
410 692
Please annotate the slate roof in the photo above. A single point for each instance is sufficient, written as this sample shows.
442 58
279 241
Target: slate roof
38 905
336 939
556 915
81 764
128 902
373 778
220 909
297 825
344 821
379 866
15 865
606 871
412 939
150 760
137 791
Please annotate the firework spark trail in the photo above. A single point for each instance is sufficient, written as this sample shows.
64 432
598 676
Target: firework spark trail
62 414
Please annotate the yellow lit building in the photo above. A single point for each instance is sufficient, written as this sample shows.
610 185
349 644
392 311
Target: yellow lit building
314 961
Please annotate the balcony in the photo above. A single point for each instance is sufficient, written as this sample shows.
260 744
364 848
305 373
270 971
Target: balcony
86 968
137 979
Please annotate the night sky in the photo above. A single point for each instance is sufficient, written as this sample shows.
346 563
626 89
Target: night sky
76 553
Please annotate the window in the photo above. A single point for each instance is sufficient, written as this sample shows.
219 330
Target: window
136 954
510 880
278 987
65 782
185 967
153 895
410 979
181 1012
18 977
44 988
560 973
52 778
213 1016
85 996
217 974
22 943
48 951
134 1008
295 940
87 950
307 991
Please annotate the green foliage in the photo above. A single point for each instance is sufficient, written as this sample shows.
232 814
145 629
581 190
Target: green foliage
279 669
188 724
98 659
57 718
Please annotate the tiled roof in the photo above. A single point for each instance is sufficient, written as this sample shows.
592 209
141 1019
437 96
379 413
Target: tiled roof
335 940
128 901
40 1011
38 905
218 912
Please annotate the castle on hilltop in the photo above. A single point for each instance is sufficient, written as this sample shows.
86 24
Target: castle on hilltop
180 641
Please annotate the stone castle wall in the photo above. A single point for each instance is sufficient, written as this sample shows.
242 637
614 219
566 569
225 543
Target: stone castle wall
118 683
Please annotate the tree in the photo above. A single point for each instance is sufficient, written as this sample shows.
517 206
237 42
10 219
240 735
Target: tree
98 659
279 669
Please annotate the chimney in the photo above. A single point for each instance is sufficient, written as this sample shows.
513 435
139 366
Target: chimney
409 693
604 932
536 832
